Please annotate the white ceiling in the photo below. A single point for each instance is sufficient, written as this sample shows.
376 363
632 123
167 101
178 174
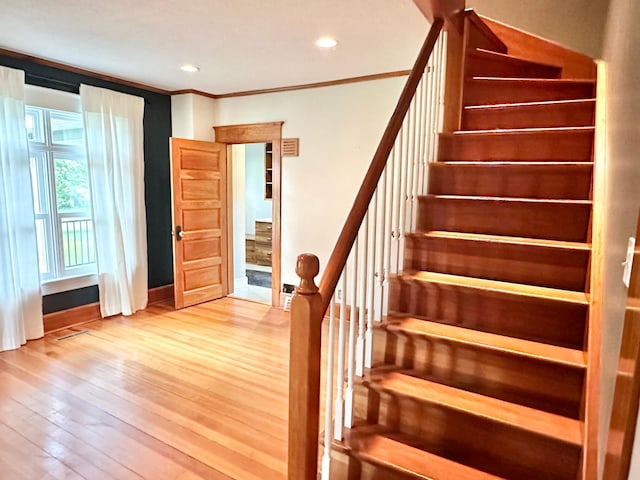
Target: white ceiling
239 44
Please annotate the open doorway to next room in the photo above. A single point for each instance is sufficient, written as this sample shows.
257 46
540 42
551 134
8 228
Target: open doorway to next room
252 223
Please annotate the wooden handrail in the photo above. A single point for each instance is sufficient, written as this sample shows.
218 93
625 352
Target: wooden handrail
351 227
445 9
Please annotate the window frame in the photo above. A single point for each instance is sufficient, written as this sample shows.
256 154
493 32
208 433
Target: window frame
43 151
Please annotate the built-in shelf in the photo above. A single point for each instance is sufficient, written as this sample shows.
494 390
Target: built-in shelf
268 171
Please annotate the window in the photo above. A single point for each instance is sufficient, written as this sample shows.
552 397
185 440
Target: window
62 200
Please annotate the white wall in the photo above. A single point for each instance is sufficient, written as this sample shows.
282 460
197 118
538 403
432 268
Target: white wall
239 213
621 52
577 24
339 128
192 116
257 206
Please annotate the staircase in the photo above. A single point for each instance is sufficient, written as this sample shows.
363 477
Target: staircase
480 365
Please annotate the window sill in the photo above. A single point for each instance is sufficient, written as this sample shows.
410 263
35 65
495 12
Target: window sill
70 283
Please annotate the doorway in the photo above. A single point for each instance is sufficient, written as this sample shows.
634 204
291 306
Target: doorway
266 133
251 167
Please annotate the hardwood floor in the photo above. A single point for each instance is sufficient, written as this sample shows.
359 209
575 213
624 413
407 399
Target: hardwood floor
199 393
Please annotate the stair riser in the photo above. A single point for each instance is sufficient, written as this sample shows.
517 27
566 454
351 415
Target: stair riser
554 322
516 379
538 116
571 146
553 221
517 181
483 444
346 467
488 92
478 65
544 266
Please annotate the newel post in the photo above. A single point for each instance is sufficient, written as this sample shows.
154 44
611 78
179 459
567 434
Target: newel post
304 372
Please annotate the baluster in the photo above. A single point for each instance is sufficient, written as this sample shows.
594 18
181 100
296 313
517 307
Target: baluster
381 234
410 162
388 231
326 456
368 354
363 236
348 401
339 405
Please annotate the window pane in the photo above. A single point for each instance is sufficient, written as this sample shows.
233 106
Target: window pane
43 251
66 128
35 130
72 184
77 240
39 182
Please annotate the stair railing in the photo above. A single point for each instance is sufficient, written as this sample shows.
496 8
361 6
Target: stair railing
368 252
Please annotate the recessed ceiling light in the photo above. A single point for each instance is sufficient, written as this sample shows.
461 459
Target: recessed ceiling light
189 68
326 42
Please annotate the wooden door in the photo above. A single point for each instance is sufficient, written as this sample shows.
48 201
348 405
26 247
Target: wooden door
199 181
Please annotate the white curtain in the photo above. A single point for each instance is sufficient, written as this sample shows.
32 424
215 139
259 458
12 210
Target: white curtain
20 294
113 125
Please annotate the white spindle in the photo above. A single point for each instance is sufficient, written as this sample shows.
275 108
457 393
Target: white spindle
326 456
349 394
371 260
382 235
338 410
388 229
363 238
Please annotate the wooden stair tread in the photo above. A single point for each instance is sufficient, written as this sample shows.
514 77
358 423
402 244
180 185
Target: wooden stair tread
543 293
548 103
546 424
490 341
416 463
522 131
482 237
512 199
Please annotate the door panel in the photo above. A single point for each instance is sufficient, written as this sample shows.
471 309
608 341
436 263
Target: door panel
199 221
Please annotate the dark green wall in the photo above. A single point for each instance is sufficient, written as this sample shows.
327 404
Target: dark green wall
157 130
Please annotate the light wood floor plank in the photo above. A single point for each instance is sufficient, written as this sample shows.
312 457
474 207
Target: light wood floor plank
199 393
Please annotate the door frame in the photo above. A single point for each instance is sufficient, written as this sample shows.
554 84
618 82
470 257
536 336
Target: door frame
256 133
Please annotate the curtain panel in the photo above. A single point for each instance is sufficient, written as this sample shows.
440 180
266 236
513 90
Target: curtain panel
114 132
20 293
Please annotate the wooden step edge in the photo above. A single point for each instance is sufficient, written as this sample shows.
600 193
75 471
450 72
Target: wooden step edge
489 341
548 81
521 131
484 53
413 462
560 201
549 425
497 286
487 238
519 105
504 163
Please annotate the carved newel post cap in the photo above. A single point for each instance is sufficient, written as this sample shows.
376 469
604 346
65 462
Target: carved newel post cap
307 267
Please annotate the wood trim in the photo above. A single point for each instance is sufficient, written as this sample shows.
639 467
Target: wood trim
328 83
259 133
69 317
351 227
249 133
594 341
81 71
532 47
231 280
194 92
72 316
160 294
